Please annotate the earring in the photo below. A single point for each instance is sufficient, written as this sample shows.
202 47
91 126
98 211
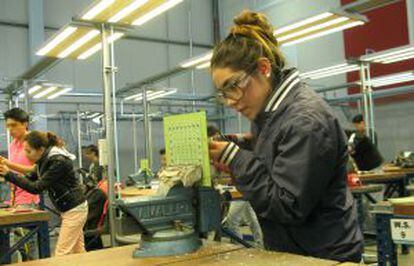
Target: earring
268 75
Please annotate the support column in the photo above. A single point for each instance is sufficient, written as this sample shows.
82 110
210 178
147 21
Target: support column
36 38
107 72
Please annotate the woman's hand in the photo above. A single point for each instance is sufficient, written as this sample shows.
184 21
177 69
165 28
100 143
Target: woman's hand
4 169
4 160
216 148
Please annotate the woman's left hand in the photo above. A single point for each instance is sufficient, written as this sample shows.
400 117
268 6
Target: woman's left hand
4 169
216 148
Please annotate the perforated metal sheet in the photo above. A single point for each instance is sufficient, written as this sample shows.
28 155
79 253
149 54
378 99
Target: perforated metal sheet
187 142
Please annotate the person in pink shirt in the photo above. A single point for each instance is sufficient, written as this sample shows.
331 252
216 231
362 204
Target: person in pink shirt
17 122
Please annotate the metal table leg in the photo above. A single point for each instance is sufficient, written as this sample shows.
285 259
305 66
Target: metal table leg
386 249
43 240
4 246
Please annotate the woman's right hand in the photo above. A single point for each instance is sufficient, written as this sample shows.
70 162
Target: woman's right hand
4 169
4 160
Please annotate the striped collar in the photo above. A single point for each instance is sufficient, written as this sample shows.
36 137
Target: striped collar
290 79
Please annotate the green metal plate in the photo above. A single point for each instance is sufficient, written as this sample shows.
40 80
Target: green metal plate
186 142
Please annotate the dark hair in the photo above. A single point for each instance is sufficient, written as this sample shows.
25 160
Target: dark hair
358 119
250 38
17 114
37 140
212 130
162 152
92 149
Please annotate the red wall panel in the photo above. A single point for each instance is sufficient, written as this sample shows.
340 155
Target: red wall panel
387 28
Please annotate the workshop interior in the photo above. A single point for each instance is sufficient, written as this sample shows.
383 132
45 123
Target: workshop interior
207 132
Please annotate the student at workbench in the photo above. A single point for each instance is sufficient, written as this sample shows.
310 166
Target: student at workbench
54 173
294 172
17 123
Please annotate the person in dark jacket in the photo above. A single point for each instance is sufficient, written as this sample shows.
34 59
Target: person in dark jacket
365 154
55 174
359 123
292 167
95 170
96 207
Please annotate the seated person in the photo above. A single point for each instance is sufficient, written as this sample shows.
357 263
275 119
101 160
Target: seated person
364 153
95 170
96 214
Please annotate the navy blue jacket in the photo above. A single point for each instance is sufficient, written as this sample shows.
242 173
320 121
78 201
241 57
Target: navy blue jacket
294 175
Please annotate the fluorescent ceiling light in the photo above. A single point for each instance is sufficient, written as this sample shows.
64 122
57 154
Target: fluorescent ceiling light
45 92
93 115
127 10
155 12
98 8
98 46
392 79
317 26
34 89
307 29
391 55
58 39
323 33
59 93
86 38
151 95
198 60
303 23
329 71
312 28
203 66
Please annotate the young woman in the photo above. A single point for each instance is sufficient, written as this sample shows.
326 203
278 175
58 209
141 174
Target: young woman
55 174
294 171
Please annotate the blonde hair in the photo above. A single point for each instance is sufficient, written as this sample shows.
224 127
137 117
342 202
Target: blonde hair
250 38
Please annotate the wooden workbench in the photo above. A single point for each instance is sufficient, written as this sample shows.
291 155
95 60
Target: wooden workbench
35 221
136 192
212 253
381 177
9 217
391 168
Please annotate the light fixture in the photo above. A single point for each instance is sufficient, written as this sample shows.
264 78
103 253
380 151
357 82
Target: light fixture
329 71
317 26
127 10
60 37
155 12
391 55
392 79
34 89
97 9
304 30
74 46
93 115
45 92
98 46
198 60
151 95
203 66
59 93
81 44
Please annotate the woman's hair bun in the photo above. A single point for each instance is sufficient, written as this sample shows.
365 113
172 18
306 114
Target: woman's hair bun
254 20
